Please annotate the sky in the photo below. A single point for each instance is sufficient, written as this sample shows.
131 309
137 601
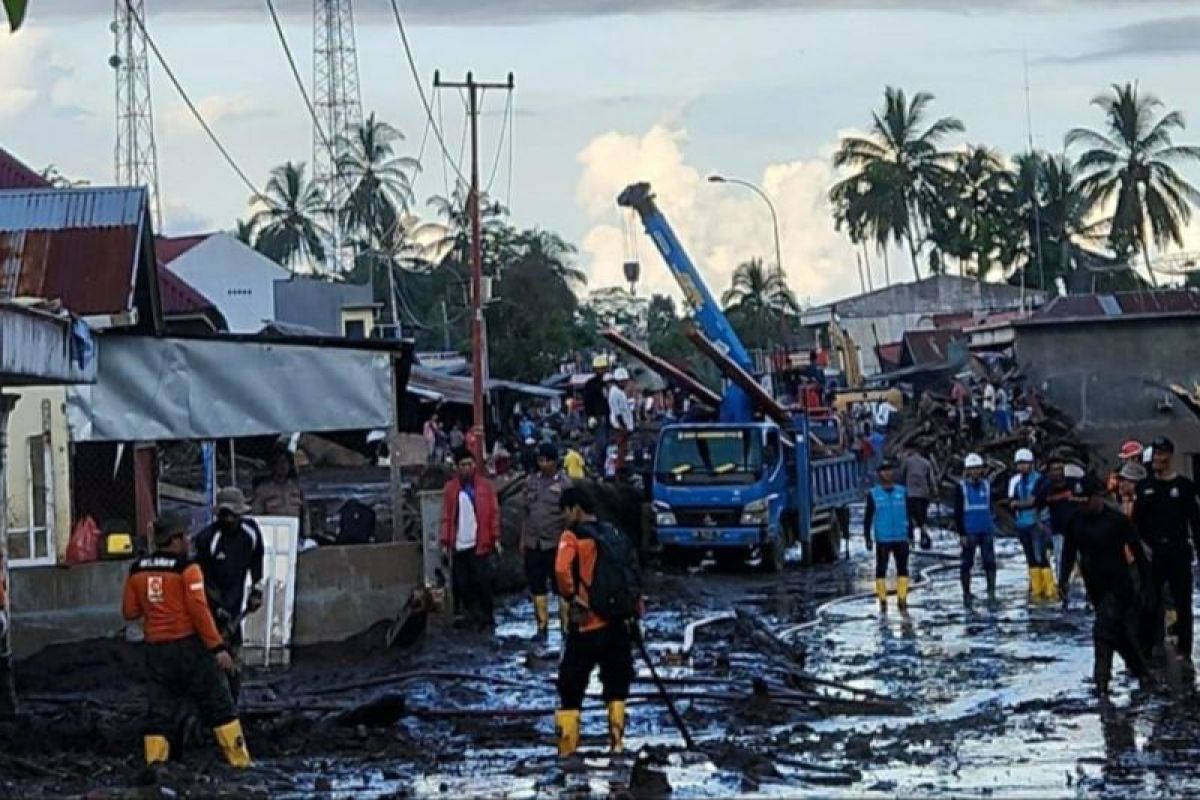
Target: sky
608 92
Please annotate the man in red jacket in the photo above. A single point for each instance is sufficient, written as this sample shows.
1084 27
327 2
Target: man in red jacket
470 534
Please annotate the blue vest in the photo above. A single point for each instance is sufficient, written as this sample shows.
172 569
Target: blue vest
891 514
977 508
1027 517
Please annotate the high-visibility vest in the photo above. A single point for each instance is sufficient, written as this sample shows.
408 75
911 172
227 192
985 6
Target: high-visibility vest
1023 487
977 507
891 514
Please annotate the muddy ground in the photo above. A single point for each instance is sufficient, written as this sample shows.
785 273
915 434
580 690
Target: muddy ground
942 701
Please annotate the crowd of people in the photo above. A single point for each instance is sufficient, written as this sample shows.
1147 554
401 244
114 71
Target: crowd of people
1133 539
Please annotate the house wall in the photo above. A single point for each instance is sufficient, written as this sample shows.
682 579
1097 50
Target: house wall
39 411
317 303
1111 376
237 279
340 591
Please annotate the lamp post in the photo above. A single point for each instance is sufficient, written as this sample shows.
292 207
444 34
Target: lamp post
771 206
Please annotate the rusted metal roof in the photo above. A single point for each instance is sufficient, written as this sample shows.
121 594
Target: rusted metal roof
88 248
1117 306
922 348
15 175
170 248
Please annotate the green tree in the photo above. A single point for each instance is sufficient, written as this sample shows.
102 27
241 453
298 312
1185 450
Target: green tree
497 234
289 217
1134 160
379 183
898 167
758 302
975 220
243 231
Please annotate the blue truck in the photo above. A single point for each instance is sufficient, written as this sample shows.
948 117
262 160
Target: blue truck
744 485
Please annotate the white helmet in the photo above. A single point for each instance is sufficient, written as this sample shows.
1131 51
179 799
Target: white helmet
973 460
620 374
1024 456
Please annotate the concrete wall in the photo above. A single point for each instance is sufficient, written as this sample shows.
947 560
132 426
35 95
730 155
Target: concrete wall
29 418
341 591
1111 376
238 279
51 605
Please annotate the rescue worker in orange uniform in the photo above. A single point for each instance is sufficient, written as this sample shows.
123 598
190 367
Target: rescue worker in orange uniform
185 653
592 639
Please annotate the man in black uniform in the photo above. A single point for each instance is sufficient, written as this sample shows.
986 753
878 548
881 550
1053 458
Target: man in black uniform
228 550
595 410
1115 574
1167 517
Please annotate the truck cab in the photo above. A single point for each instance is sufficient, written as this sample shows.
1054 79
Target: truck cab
724 488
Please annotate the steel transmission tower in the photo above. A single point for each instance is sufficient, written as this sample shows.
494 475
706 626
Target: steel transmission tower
338 103
136 153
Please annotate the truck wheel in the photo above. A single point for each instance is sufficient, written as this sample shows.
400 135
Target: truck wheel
772 556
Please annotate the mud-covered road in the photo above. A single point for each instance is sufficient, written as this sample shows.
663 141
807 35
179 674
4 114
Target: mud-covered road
943 701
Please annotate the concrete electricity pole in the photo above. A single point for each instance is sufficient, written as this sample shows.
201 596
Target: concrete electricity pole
478 345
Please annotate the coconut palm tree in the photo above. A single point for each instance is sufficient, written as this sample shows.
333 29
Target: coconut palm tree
901 164
289 217
756 286
1134 159
380 189
554 253
244 232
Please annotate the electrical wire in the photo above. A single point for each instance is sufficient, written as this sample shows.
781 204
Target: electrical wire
442 121
512 102
287 51
162 62
462 144
416 76
504 125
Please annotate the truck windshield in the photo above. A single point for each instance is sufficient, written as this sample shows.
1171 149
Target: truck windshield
710 456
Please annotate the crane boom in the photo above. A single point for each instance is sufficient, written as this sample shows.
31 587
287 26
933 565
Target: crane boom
735 404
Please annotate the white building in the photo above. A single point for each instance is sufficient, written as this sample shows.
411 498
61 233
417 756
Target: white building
239 280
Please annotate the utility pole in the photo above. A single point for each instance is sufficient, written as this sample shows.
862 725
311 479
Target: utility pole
478 345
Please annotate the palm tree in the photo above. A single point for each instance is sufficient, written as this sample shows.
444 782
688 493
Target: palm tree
457 242
898 168
755 286
380 189
1134 160
555 254
289 216
244 232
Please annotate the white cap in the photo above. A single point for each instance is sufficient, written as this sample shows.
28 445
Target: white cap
608 377
621 374
973 460
1024 456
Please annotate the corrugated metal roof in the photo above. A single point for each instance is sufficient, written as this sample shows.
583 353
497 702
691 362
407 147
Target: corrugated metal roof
70 209
15 175
1120 305
929 347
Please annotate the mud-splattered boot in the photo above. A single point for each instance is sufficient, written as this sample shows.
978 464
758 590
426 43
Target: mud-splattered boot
902 594
233 744
881 593
541 613
1035 583
616 726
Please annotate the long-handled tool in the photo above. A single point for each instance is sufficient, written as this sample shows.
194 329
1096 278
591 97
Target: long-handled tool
676 717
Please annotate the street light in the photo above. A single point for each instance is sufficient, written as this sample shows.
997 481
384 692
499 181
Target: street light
774 217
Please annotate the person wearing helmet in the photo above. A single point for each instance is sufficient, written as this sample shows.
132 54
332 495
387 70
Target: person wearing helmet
976 526
1131 474
595 409
1031 524
620 415
886 521
1131 451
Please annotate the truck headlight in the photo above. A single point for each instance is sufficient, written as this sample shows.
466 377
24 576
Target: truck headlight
756 512
663 515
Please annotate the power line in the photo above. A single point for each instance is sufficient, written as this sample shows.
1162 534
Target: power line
416 76
512 115
287 51
499 143
162 62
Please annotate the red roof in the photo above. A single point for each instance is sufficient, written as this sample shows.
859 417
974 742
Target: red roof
929 347
889 354
15 175
1118 305
178 296
169 248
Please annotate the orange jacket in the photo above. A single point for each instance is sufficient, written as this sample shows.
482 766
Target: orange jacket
577 556
167 594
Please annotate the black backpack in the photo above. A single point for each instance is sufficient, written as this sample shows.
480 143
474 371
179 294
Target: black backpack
616 584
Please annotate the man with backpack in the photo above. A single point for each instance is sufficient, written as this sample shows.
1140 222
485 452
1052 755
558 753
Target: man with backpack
596 571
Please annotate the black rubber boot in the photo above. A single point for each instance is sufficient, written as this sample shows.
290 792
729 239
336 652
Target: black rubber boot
991 586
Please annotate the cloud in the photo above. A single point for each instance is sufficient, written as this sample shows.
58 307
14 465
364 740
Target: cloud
180 219
216 109
1158 37
31 74
521 11
720 225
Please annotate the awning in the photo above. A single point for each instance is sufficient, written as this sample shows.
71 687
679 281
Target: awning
174 388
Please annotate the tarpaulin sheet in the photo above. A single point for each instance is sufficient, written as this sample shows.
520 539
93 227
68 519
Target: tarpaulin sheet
160 389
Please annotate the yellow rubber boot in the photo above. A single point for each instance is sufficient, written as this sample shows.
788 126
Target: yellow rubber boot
1035 583
541 612
902 593
156 748
1049 587
616 726
881 592
566 727
233 744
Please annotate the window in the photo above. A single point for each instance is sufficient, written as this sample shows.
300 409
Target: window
354 329
33 543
